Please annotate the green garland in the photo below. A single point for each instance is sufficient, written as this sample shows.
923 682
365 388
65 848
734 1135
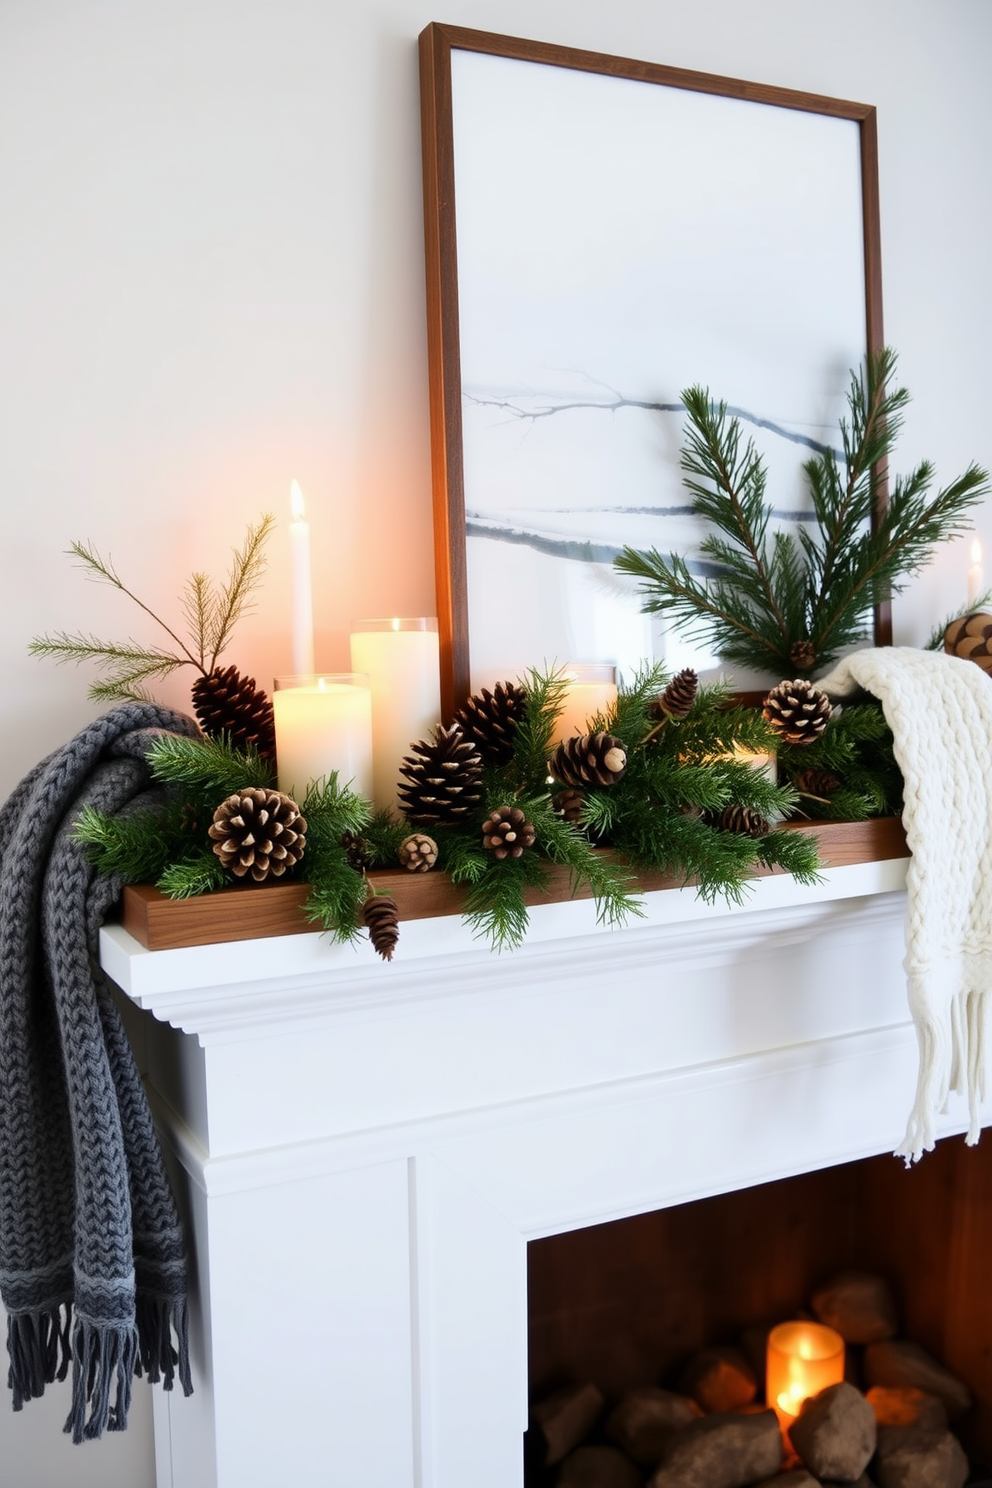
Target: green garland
662 814
856 748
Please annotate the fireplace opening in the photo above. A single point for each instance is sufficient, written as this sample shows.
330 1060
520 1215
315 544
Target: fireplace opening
628 1304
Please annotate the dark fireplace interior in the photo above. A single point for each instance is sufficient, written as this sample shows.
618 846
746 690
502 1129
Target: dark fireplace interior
625 1304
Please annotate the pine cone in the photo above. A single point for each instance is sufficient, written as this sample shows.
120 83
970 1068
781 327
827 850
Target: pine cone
358 850
506 832
820 783
971 638
383 922
489 720
227 703
570 804
443 779
797 711
745 821
802 655
418 852
677 698
258 832
589 759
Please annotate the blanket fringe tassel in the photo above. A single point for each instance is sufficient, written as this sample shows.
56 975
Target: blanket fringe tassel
39 1352
952 1059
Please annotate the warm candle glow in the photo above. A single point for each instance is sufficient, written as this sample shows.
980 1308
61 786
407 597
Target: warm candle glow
803 1359
591 689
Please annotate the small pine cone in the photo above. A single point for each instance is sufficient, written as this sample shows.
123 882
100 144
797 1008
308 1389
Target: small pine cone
418 852
442 779
358 851
258 832
745 821
383 922
570 804
820 783
971 639
802 655
678 697
506 832
797 711
589 759
227 703
489 720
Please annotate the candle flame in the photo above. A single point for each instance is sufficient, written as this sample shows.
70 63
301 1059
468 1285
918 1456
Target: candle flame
296 502
976 551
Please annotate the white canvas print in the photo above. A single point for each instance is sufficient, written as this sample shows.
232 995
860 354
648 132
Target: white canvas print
617 241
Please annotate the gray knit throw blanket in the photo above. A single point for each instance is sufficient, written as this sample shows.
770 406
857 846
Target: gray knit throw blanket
92 1260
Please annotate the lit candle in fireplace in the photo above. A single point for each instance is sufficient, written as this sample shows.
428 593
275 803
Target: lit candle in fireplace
803 1359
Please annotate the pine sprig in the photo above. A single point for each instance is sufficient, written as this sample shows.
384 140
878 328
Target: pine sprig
210 617
857 747
134 846
209 769
495 907
771 593
199 873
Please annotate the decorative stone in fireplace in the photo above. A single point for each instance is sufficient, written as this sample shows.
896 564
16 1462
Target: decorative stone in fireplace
366 1151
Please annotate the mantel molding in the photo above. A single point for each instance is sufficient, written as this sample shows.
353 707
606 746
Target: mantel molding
252 989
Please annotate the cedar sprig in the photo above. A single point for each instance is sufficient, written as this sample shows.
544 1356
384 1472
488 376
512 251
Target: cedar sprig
210 612
772 591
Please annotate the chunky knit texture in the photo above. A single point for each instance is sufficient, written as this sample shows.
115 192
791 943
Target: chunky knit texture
940 711
92 1260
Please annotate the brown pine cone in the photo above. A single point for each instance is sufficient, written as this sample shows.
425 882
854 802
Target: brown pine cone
802 655
258 832
383 922
358 851
821 783
677 698
417 853
745 821
971 638
570 804
589 759
797 711
506 832
489 720
442 781
227 703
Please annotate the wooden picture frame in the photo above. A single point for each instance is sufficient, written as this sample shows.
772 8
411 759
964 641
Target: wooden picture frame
525 108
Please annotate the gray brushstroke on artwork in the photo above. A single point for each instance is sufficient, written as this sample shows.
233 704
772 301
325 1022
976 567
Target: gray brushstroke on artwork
574 550
778 513
512 407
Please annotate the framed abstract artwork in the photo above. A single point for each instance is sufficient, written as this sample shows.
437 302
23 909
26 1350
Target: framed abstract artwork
602 233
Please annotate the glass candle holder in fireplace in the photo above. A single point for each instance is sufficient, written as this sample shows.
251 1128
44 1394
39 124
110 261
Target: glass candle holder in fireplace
803 1359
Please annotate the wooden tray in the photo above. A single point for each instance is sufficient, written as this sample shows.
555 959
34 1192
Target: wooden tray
254 912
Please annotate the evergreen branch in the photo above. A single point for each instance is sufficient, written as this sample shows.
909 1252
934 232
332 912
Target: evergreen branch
795 852
135 846
211 768
127 666
384 835
193 875
494 905
336 890
103 569
199 606
614 888
247 568
533 737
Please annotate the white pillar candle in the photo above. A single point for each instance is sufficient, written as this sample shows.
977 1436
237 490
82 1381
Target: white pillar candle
400 657
301 584
976 576
758 760
592 688
323 724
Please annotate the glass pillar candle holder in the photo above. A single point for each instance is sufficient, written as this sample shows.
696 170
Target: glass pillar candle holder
803 1359
400 657
591 689
323 723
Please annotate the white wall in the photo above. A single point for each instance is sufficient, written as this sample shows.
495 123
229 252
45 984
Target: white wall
211 279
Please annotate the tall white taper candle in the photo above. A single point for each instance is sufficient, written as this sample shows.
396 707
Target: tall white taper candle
302 585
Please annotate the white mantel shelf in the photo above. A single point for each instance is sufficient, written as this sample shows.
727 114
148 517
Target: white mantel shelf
365 1149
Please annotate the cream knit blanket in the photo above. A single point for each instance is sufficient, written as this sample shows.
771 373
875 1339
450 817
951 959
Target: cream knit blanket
940 711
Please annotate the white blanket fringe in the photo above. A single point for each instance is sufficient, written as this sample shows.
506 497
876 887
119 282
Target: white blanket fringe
940 711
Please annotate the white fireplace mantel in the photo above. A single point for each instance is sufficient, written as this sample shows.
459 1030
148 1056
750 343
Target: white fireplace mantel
365 1149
